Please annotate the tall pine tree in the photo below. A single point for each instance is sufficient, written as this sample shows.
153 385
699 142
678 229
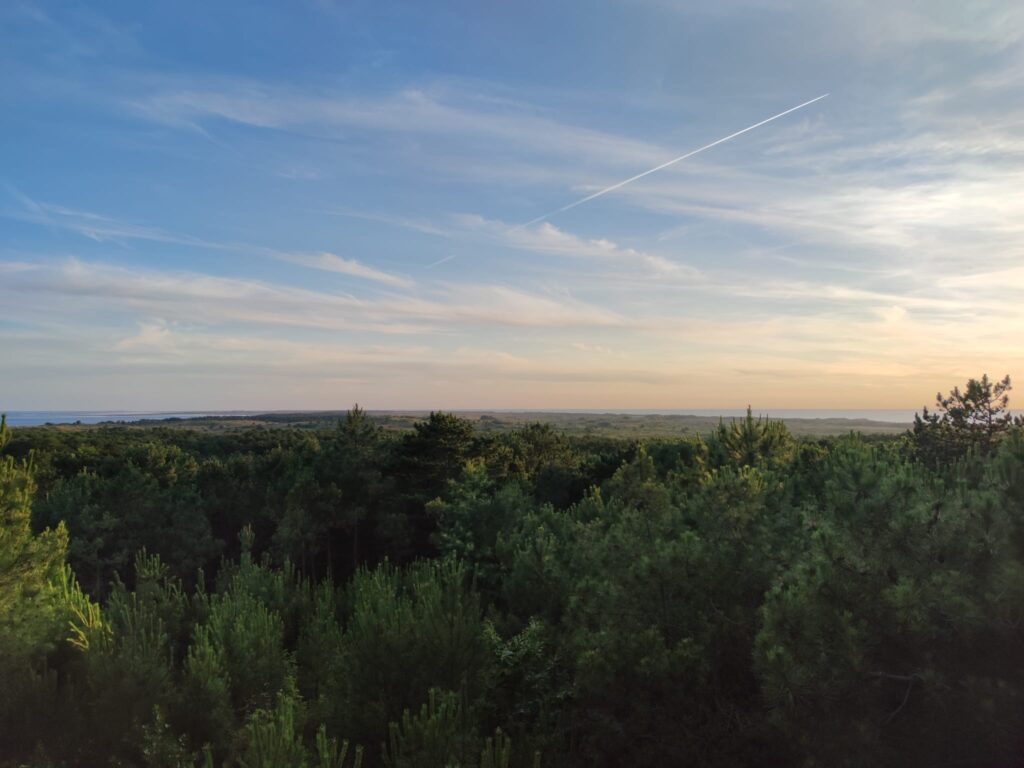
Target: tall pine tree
29 565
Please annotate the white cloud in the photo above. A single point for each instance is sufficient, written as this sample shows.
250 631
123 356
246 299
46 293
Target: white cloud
329 262
11 267
443 110
547 238
151 336
870 28
192 297
103 228
869 250
543 238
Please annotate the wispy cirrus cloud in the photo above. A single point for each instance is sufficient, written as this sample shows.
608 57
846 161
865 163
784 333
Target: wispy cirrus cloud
858 254
548 239
13 267
329 262
218 326
104 228
544 238
867 31
196 297
442 109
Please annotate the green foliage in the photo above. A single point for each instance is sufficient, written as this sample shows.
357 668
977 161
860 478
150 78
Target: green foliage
202 703
272 737
408 633
353 463
433 454
890 640
438 735
975 418
249 638
471 521
531 687
150 502
752 442
536 561
319 653
441 734
29 564
162 748
660 614
747 599
32 612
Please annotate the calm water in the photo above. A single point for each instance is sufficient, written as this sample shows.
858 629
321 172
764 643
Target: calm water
36 418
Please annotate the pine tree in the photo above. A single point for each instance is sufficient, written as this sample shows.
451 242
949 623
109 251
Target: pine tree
30 565
975 418
751 442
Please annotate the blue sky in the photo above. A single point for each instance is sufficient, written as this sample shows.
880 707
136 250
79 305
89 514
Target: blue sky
308 204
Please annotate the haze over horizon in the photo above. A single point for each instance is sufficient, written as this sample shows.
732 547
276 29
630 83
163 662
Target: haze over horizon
226 207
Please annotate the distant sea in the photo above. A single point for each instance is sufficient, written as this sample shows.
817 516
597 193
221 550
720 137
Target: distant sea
37 418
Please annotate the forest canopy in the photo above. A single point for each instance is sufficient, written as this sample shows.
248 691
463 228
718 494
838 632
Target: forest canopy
444 596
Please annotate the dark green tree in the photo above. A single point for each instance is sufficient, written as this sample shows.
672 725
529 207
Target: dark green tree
426 460
894 638
352 463
759 442
976 417
30 565
34 613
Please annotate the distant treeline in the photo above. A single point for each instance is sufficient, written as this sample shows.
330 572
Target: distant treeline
643 426
441 597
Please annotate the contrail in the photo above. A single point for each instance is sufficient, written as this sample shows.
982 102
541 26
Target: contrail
439 261
631 179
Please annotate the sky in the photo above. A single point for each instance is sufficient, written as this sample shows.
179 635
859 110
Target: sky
309 204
